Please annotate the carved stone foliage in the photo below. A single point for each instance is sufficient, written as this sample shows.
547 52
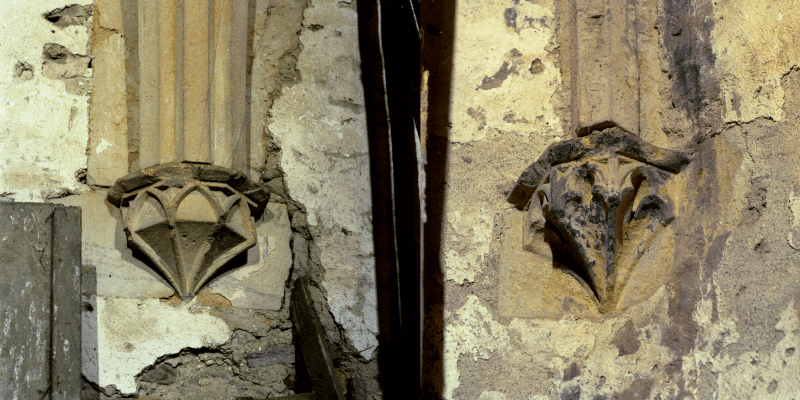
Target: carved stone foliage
189 220
595 204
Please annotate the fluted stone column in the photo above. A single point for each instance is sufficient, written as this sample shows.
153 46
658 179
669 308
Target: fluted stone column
600 47
190 207
192 63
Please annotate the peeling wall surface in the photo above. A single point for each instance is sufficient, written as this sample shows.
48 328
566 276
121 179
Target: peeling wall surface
718 81
44 112
69 106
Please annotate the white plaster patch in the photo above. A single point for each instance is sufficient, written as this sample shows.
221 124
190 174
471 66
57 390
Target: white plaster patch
470 238
471 331
320 125
44 134
133 333
492 396
352 295
794 204
104 144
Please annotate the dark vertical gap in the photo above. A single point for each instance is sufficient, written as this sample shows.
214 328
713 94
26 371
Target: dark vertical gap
400 43
390 75
438 25
380 176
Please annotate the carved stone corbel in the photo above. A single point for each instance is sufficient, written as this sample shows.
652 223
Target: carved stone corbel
189 219
191 207
594 205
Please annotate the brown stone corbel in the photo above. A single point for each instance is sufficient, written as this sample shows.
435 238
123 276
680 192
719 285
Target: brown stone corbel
596 201
590 199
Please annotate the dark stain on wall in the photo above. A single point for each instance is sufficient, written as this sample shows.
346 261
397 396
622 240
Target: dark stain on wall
626 339
499 77
639 389
511 18
572 393
686 31
571 372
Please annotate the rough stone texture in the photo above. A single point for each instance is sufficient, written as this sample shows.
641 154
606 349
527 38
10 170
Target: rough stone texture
319 124
508 38
275 48
770 52
44 116
725 321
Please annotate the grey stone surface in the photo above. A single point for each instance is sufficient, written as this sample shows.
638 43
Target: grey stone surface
40 348
277 355
110 266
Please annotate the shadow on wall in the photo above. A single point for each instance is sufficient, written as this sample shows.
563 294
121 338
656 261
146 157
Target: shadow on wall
390 75
438 25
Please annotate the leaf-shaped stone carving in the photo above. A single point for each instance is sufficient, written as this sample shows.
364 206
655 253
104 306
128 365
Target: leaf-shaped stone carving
594 206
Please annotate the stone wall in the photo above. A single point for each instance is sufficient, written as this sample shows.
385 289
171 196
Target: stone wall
718 81
70 111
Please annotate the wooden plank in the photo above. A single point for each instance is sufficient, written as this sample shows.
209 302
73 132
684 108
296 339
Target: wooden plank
314 344
66 311
25 299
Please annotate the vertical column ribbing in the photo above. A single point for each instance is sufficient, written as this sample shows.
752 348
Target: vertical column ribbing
192 64
149 100
229 83
606 86
196 82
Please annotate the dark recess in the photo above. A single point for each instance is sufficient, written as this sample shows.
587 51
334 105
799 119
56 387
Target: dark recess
391 77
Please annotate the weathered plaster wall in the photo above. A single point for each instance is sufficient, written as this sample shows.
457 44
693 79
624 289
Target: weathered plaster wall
69 93
715 83
44 81
320 126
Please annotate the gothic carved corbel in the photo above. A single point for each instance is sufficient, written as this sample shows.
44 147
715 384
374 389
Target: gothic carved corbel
189 219
188 205
594 205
